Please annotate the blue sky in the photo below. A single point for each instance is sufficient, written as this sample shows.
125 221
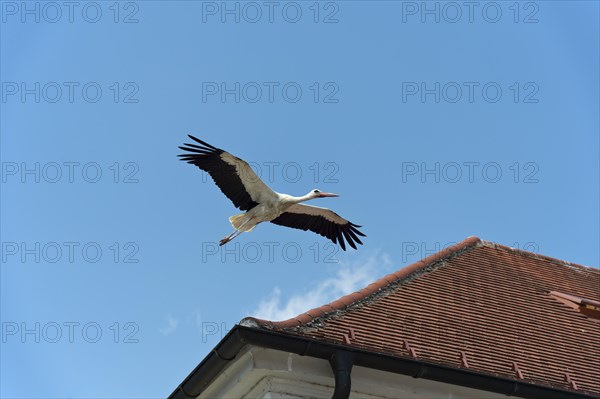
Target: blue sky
433 126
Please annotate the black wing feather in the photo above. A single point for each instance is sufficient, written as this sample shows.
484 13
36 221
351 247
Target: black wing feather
208 158
322 226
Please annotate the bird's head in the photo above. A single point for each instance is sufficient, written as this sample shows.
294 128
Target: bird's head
320 194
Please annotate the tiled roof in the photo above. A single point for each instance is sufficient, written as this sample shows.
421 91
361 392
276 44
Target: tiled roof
477 305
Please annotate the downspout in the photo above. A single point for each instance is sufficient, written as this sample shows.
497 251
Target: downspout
341 364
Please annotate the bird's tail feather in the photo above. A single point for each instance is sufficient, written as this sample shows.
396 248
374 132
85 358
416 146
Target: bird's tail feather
237 221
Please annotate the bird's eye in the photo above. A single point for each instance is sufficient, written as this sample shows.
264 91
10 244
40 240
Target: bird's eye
316 191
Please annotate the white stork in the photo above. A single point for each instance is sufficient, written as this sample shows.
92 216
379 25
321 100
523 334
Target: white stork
243 187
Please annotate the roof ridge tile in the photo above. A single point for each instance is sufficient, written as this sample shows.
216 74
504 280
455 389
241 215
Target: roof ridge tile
535 255
387 281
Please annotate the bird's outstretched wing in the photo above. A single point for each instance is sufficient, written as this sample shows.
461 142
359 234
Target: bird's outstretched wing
232 175
322 221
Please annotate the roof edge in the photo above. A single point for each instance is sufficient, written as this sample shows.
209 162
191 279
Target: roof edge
366 292
535 255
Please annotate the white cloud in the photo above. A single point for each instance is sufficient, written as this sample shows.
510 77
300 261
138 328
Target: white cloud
349 278
171 327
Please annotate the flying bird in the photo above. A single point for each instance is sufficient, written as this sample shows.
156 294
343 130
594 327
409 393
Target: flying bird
249 193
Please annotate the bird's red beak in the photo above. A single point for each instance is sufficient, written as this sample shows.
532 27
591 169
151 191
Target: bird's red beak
322 195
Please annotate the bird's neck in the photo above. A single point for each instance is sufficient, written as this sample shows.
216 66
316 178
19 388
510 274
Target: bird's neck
297 200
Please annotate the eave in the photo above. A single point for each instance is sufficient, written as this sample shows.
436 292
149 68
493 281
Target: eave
239 337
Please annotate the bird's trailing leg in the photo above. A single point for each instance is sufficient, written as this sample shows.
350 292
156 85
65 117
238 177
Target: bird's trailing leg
235 233
230 237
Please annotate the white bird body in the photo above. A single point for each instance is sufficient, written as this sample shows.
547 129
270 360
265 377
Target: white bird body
248 192
266 211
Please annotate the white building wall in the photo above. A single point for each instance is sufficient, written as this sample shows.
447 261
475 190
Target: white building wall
260 373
